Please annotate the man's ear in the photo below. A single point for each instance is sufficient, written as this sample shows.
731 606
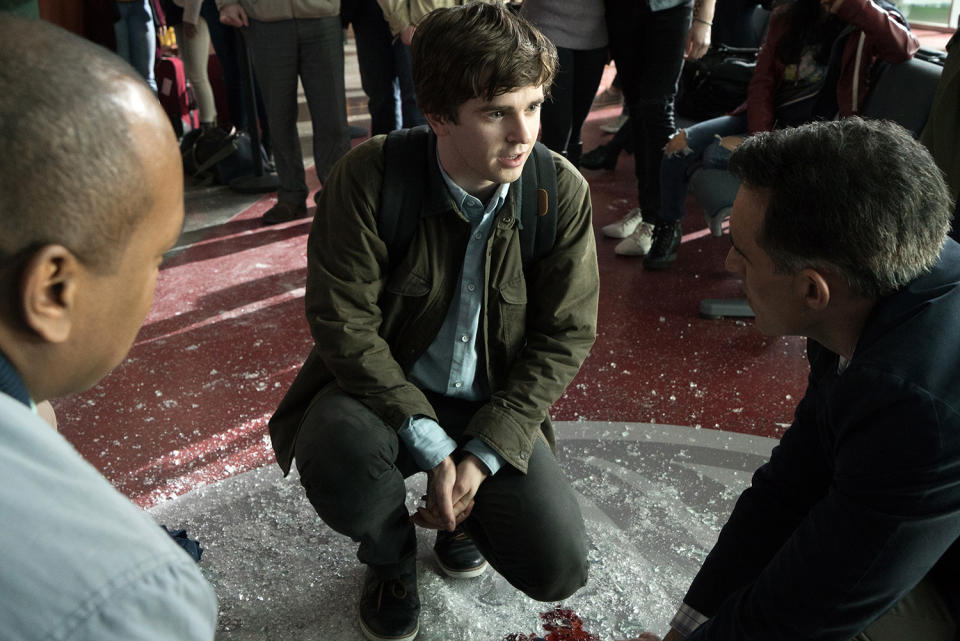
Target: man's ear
813 288
439 124
48 292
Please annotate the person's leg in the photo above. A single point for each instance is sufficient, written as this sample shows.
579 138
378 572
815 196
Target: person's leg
529 527
675 170
556 113
122 31
321 72
196 54
275 51
142 38
651 105
352 466
587 72
921 614
648 48
375 53
403 66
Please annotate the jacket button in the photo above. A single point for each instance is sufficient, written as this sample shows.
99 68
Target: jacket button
523 457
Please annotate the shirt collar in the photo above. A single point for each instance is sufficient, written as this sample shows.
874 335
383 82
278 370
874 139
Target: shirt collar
471 206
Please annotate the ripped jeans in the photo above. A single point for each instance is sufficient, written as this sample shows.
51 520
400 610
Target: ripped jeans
703 150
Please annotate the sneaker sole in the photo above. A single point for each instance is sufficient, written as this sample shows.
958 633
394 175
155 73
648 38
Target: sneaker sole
373 636
463 574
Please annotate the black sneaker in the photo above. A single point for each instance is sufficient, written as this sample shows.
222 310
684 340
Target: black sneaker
283 213
663 250
390 608
457 555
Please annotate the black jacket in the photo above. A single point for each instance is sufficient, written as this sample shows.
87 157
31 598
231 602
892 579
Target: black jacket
861 498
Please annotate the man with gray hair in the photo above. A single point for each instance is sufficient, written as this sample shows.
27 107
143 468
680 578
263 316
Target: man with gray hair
850 530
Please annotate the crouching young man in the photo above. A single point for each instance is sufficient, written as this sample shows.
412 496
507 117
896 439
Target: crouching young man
446 354
850 530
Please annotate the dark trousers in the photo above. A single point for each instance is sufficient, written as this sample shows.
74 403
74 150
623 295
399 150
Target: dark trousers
571 94
226 41
311 50
385 71
353 466
648 49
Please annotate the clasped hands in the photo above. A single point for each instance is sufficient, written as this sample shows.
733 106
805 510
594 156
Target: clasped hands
450 491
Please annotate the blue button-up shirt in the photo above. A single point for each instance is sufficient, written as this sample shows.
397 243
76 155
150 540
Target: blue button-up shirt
449 366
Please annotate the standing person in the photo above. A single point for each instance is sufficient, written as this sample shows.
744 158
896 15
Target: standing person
851 530
649 40
86 221
293 39
578 30
193 40
447 357
808 44
137 37
385 72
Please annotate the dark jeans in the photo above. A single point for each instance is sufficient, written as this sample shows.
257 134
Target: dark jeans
648 49
353 466
385 71
573 90
311 49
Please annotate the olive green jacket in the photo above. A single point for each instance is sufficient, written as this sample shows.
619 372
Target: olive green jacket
370 324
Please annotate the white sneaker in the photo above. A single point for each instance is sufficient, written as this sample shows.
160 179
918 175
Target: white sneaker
625 226
638 243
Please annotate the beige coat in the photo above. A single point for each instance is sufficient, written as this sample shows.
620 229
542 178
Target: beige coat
273 10
400 13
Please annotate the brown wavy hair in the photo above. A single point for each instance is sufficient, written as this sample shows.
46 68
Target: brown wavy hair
477 50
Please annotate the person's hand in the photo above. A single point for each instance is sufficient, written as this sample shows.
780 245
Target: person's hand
450 492
471 472
698 41
190 29
831 6
234 15
406 36
438 513
676 144
731 142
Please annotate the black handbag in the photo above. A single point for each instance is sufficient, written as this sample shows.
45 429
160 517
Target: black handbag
716 83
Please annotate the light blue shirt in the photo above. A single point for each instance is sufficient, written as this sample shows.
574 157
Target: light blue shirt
449 366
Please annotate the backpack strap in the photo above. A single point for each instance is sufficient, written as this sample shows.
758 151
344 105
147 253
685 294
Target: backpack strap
401 192
538 206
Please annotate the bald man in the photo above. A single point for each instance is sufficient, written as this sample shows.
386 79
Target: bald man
91 197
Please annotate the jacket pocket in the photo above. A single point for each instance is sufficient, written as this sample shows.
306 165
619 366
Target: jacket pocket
403 304
512 308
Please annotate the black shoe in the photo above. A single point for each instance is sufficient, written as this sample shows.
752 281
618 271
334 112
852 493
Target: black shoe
457 555
603 157
283 213
663 250
390 608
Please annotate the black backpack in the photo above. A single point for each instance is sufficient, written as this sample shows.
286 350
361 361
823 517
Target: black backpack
407 154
